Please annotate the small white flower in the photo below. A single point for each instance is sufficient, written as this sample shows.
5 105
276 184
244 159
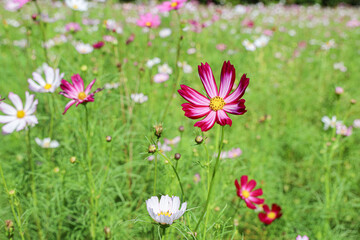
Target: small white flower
340 66
356 123
165 69
83 48
47 143
139 97
161 77
111 85
51 82
167 210
165 32
16 119
262 41
191 51
77 5
328 45
152 62
330 122
249 45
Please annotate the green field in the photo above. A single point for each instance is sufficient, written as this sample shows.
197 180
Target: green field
311 173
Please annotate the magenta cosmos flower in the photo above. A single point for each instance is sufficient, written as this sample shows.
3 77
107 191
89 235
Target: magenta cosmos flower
76 92
167 6
245 191
218 103
148 20
268 216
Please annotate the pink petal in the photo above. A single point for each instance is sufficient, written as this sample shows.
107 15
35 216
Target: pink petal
239 91
88 88
249 204
244 180
207 123
251 185
222 118
78 82
237 185
256 200
257 192
195 112
237 108
68 105
208 80
193 96
266 208
227 79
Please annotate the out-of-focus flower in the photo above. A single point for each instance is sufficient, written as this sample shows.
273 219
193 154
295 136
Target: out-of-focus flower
270 215
47 143
268 32
245 191
262 41
299 237
328 45
76 92
165 68
247 23
49 84
339 90
161 77
353 23
83 48
14 5
111 39
233 153
164 147
340 66
174 141
16 119
72 27
356 123
341 129
167 6
111 85
98 45
167 210
77 5
219 102
191 51
130 39
186 67
196 178
221 47
249 45
152 62
139 97
149 21
163 33
113 26
330 122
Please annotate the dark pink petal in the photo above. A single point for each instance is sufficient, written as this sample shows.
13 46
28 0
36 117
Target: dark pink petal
249 204
257 192
276 208
244 180
195 112
239 91
262 217
227 79
222 118
193 96
256 200
251 185
237 185
237 108
207 123
68 105
69 90
78 82
266 208
88 88
208 80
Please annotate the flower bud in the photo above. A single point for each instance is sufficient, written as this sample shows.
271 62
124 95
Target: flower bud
352 101
158 130
199 139
181 128
34 17
12 192
177 156
108 138
339 90
73 159
9 229
152 148
107 232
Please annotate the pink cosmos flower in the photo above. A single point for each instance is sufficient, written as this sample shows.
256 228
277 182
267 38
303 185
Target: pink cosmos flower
167 6
72 27
14 5
161 77
353 23
245 191
218 102
148 20
299 237
76 91
270 215
98 45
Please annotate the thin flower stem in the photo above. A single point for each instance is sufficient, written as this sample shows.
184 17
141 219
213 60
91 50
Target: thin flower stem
33 183
155 173
212 181
163 234
176 173
176 83
42 29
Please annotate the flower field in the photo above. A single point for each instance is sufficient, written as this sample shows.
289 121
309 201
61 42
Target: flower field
175 120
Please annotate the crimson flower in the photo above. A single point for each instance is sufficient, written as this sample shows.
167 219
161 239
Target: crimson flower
76 91
245 191
269 216
217 103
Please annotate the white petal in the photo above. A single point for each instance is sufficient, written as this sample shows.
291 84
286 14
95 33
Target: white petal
54 144
15 99
22 125
7 119
38 78
39 141
10 127
8 109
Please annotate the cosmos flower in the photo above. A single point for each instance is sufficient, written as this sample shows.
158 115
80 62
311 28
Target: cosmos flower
245 191
339 90
268 216
98 45
340 66
249 45
14 5
16 119
261 41
356 123
218 103
165 68
196 178
233 153
139 97
77 5
299 237
152 62
328 45
341 129
76 91
163 33
47 143
330 122
72 27
149 21
173 141
83 48
113 26
49 84
167 6
167 210
186 67
161 77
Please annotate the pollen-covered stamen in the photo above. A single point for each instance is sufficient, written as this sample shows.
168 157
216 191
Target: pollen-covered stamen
82 96
217 103
174 4
47 86
148 24
20 114
165 214
75 6
271 215
245 193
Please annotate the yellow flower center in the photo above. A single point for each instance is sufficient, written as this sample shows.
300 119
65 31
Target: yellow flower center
148 24
165 214
174 4
20 114
271 215
75 6
82 96
217 103
47 86
245 193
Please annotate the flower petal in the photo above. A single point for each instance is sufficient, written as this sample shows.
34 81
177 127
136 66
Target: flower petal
239 91
207 123
38 78
237 108
68 105
78 82
195 112
222 118
244 180
49 74
250 186
227 79
193 96
208 80
10 127
15 99
257 192
88 88
8 109
7 119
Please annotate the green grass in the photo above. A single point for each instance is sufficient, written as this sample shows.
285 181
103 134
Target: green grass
316 185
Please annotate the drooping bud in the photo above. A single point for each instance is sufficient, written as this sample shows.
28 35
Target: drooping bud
199 139
73 159
177 156
152 148
158 130
181 128
108 138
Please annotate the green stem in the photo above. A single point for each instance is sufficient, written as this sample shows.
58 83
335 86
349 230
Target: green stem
212 181
155 173
42 29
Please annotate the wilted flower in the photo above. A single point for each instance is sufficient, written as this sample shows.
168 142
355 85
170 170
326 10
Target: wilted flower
76 92
77 5
47 143
270 215
149 21
219 102
49 84
139 97
167 210
245 191
16 119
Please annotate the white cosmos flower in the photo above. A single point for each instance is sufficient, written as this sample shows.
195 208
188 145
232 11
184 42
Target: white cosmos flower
139 97
165 68
249 45
77 5
165 32
152 62
330 122
167 210
261 41
19 117
84 48
49 84
47 143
